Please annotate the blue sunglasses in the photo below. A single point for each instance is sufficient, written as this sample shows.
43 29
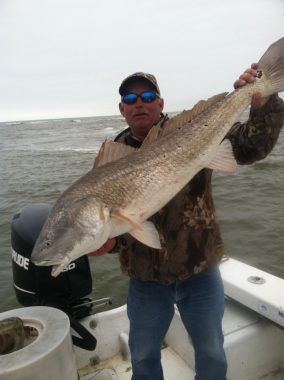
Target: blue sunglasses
146 97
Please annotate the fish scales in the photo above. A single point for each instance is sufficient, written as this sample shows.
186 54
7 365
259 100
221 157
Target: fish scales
119 182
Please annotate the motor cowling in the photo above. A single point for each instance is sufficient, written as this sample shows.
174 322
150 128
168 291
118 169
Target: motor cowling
33 284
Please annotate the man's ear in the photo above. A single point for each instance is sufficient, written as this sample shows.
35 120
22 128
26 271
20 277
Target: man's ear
121 108
161 102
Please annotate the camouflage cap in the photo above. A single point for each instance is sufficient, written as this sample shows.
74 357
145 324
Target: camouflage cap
139 76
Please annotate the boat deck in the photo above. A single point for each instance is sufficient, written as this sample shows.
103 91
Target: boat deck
254 349
117 368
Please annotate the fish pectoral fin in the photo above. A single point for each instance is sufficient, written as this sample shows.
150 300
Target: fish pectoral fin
147 234
224 160
120 216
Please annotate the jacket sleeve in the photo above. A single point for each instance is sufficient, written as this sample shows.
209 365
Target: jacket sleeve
255 139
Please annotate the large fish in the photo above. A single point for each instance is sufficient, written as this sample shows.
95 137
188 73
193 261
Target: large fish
126 187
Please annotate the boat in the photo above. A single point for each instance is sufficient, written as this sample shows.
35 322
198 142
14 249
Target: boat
253 327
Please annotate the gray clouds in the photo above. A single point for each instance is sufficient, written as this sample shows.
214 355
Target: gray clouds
66 58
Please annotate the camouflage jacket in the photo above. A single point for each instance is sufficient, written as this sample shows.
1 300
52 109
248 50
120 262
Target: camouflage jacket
187 225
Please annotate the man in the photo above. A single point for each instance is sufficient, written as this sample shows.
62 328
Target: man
185 271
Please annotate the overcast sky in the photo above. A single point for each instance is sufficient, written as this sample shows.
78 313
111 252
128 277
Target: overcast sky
66 58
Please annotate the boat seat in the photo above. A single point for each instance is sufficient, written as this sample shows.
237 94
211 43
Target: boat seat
41 357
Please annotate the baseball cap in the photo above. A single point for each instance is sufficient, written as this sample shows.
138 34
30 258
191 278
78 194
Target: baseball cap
139 76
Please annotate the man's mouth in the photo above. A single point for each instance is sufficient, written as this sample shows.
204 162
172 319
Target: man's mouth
141 114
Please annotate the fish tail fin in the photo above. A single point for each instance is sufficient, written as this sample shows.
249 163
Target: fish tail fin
271 66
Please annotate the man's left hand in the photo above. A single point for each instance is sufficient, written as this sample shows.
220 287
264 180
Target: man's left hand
249 76
107 247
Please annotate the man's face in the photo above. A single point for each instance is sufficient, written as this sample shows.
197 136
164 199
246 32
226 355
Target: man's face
141 116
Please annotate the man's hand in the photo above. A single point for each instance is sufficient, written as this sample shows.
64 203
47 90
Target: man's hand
249 76
107 247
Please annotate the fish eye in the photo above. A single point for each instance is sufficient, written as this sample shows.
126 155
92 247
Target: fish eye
47 243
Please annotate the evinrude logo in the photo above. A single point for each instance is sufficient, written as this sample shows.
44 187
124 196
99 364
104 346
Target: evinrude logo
20 260
24 262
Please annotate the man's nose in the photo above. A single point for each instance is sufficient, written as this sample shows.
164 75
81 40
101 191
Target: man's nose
139 102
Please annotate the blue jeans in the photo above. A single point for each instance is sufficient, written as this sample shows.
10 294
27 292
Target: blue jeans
150 308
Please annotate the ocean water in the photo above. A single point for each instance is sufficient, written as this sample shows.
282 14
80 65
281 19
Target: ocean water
40 159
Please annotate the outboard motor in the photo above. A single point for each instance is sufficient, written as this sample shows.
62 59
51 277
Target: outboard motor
34 285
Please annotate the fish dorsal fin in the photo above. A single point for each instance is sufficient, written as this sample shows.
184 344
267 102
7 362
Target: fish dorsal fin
111 151
182 119
224 159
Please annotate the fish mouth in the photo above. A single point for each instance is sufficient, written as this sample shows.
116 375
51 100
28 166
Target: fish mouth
45 262
58 262
58 265
57 269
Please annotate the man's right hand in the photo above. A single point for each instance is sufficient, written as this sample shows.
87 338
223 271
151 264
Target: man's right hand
249 76
107 247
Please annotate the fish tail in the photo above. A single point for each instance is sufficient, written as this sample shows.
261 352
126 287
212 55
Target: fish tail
271 66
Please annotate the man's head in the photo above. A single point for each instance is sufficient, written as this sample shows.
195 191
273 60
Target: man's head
144 77
143 111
